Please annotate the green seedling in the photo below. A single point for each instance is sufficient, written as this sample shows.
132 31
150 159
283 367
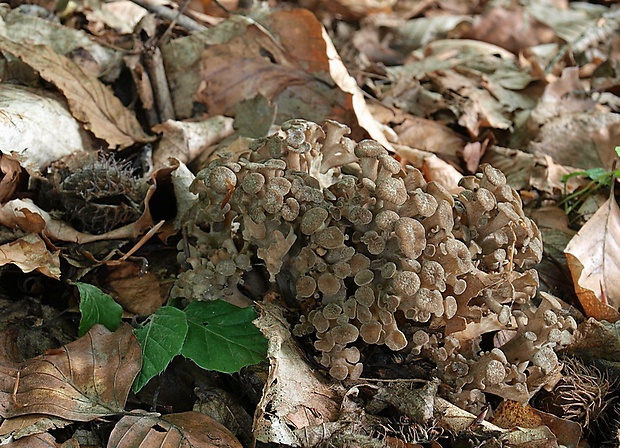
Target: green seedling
599 178
214 334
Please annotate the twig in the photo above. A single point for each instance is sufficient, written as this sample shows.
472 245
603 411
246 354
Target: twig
170 14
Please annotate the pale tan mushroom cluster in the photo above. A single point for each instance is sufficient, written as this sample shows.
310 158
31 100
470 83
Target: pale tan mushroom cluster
375 254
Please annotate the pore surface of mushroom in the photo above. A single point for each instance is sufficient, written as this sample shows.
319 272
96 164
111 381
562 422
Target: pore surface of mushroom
375 254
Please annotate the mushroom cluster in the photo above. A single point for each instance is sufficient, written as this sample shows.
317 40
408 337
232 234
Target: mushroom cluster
372 253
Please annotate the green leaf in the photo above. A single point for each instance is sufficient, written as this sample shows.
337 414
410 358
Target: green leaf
161 339
97 307
618 151
597 174
222 336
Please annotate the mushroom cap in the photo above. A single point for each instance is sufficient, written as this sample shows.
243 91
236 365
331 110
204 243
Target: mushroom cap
222 179
330 238
329 284
395 340
392 189
411 237
252 183
406 283
345 334
371 332
313 220
369 148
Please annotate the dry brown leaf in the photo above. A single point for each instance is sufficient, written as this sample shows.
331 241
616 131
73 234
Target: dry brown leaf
295 396
138 292
81 381
593 257
510 413
90 101
36 128
28 425
510 28
35 441
29 253
186 429
186 140
430 136
294 65
11 170
24 214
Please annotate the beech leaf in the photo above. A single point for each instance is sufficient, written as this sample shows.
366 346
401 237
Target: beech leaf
593 257
161 340
222 336
90 101
186 429
86 379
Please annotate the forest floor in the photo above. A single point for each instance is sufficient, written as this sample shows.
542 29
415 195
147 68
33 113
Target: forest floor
196 249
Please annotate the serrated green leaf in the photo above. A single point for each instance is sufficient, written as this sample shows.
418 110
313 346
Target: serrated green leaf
161 339
222 336
97 307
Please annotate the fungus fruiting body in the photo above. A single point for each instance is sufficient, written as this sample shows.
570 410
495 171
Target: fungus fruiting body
375 254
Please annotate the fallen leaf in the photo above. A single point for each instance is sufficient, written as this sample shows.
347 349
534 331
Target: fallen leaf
510 413
294 396
593 257
11 174
29 253
90 101
186 429
84 380
511 28
24 214
186 140
35 441
28 425
138 292
57 134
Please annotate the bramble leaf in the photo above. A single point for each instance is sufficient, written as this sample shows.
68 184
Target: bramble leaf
161 339
222 336
97 307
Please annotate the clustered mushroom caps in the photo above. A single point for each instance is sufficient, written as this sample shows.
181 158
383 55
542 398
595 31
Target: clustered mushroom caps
375 254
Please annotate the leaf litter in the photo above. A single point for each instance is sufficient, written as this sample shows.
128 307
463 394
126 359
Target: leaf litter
440 85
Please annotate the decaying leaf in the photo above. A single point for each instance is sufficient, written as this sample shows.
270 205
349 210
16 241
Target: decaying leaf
186 140
81 381
187 429
29 253
457 420
45 440
294 397
138 292
90 101
287 58
593 257
57 133
27 425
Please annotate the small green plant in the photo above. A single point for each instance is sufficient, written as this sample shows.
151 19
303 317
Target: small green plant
215 334
599 178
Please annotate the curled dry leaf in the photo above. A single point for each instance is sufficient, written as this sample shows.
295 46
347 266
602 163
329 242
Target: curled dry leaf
593 257
81 381
29 253
57 133
186 140
27 425
45 440
186 429
294 397
288 59
90 101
